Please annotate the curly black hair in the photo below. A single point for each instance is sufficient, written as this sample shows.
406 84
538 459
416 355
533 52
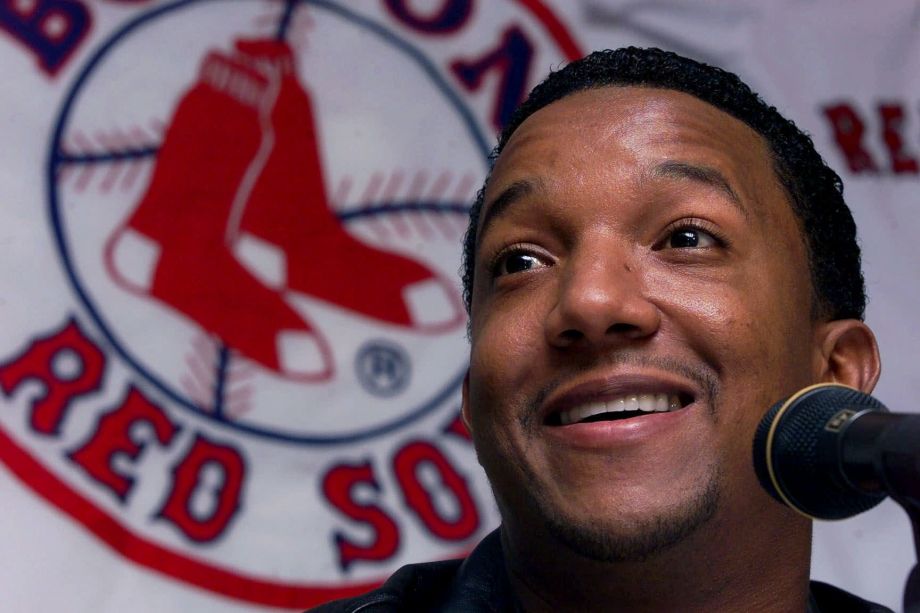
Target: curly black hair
815 191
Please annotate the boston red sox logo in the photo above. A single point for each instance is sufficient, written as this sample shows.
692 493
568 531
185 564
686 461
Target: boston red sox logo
259 205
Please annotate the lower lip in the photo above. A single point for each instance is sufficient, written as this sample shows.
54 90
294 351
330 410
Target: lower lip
606 434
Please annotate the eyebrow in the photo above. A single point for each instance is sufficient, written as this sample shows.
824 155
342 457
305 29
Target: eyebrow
699 174
510 195
672 169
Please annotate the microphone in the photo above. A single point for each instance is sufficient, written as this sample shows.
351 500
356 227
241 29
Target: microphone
830 452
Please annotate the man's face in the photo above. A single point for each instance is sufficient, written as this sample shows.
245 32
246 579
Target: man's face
635 248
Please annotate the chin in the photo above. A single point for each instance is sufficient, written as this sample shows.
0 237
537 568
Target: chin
631 537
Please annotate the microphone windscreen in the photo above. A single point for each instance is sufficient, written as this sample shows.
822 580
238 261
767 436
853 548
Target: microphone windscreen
797 452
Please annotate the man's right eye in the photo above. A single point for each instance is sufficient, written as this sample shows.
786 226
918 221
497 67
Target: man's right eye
516 261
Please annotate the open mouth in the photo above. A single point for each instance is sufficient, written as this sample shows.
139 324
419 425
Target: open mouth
626 406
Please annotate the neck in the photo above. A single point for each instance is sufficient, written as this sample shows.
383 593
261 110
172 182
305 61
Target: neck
711 570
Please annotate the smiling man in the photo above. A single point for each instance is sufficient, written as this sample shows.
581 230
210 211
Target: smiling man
656 257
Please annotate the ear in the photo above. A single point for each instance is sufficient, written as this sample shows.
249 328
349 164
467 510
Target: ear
848 354
465 403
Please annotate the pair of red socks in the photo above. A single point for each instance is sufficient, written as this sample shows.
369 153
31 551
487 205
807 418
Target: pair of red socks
236 219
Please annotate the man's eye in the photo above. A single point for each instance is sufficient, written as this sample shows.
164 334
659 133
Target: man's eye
517 261
690 238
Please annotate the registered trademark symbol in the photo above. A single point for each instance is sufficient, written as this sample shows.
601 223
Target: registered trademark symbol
383 368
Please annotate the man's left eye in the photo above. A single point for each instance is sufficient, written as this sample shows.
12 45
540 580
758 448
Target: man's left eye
690 238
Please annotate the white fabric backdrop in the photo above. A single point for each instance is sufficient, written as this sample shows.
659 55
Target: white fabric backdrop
401 93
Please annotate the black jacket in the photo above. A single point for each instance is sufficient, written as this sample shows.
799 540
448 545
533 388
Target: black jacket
479 584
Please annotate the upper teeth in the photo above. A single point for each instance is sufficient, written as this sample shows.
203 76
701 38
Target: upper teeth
632 402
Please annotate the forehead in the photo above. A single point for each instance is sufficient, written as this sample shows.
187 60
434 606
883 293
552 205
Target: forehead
600 136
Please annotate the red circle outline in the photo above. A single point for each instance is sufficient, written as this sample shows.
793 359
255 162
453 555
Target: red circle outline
186 569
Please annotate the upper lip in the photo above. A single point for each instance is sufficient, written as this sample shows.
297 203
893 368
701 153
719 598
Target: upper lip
608 387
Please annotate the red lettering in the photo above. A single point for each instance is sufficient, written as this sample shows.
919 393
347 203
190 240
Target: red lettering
340 486
67 363
512 59
452 15
51 29
848 133
217 502
115 436
420 498
892 116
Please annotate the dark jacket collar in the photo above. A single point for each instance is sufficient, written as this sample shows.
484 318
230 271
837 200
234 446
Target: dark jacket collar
481 582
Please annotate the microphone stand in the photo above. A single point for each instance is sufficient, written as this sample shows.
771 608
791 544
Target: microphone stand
900 465
912 588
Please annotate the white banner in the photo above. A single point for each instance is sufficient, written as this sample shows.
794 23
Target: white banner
232 337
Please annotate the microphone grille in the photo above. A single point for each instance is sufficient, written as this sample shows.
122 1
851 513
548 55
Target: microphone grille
796 456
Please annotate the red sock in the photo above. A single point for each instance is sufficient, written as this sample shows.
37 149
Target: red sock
291 239
176 244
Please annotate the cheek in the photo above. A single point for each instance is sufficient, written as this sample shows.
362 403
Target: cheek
506 340
756 337
713 318
747 321
756 334
502 347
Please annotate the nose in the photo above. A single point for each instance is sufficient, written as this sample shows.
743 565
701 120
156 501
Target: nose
602 301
